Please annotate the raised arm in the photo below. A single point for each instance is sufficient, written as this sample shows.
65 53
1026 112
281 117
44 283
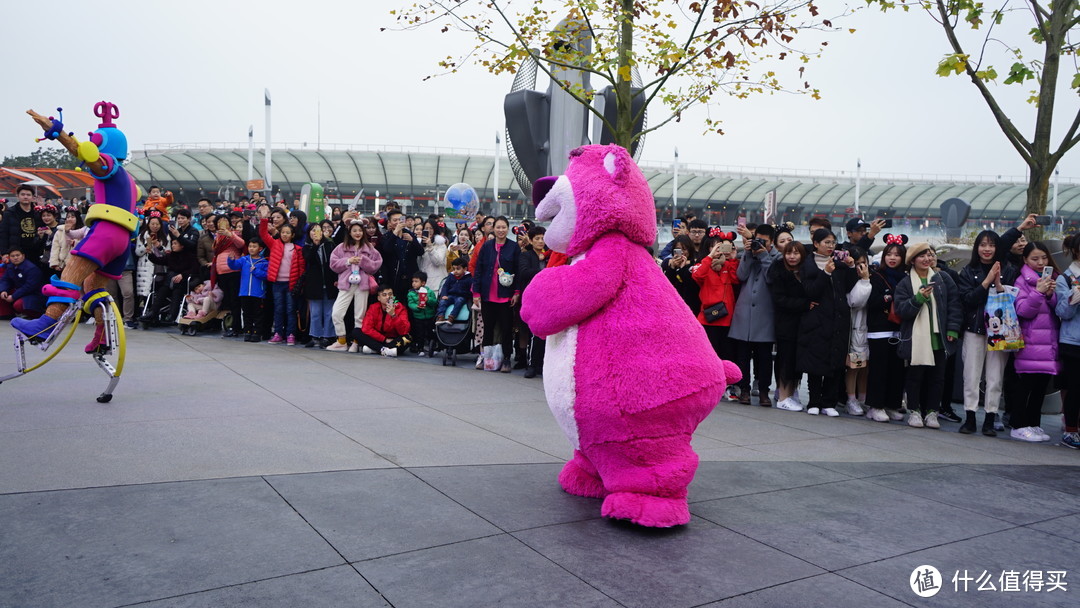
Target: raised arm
562 297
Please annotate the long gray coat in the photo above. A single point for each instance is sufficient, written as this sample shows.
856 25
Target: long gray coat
753 320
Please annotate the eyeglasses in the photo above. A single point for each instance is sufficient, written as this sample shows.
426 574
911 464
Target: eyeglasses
697 231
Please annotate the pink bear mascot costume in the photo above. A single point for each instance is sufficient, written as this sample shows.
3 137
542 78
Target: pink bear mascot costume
612 321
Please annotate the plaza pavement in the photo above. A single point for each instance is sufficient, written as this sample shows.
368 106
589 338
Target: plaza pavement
230 474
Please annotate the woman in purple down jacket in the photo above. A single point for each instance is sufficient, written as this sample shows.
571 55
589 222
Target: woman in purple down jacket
1036 363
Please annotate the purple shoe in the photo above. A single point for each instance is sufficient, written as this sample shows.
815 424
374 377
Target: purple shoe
36 329
276 339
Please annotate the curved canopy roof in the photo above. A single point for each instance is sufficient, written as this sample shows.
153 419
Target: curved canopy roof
421 172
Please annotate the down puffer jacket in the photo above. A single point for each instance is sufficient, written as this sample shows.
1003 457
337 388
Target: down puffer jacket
1039 325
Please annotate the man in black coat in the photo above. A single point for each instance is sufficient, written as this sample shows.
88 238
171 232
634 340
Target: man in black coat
21 227
401 252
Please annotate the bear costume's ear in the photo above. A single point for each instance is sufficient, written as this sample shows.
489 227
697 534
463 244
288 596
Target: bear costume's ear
615 164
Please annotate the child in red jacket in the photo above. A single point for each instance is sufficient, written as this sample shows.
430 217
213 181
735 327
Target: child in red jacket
386 325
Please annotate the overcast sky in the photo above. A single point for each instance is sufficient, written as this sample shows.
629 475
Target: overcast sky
195 71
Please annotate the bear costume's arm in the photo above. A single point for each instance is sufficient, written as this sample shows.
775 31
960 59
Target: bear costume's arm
564 296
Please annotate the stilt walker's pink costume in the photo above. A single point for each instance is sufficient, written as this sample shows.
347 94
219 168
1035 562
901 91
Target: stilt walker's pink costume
629 372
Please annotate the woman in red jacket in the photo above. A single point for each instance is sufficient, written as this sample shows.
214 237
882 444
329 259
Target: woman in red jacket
716 277
285 269
386 324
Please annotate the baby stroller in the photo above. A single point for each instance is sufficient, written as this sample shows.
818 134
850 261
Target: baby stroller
455 336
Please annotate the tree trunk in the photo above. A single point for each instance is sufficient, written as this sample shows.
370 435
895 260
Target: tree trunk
1038 186
624 118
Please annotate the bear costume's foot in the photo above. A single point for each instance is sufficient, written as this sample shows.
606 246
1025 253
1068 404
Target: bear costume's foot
579 478
647 510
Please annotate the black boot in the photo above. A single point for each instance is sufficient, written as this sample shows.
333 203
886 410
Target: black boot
969 424
988 425
530 372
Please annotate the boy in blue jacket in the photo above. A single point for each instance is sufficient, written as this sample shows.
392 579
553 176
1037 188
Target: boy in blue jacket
20 285
252 269
455 293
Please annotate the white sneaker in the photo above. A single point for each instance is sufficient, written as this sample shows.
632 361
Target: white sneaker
367 351
931 421
813 411
354 347
389 352
854 408
338 346
1026 433
789 405
894 415
877 415
915 420
830 412
1041 433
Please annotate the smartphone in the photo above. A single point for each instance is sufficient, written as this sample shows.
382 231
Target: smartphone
1048 271
677 252
840 255
884 215
1042 220
741 222
676 225
426 233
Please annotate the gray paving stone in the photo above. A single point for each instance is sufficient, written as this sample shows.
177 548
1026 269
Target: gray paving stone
424 437
990 495
823 591
845 523
502 571
112 546
871 469
367 514
1018 549
1063 527
1058 478
173 450
723 479
685 566
329 588
513 497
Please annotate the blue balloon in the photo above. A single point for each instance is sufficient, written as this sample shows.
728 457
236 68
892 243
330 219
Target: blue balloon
461 202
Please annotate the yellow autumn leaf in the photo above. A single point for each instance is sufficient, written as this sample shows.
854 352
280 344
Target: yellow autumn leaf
624 73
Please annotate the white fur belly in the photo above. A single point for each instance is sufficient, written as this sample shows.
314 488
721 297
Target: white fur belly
559 383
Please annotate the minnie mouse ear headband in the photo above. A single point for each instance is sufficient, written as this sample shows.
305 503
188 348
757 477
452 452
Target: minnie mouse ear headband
48 207
896 239
154 213
717 233
785 227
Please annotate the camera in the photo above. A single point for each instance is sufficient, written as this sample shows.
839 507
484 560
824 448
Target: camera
757 244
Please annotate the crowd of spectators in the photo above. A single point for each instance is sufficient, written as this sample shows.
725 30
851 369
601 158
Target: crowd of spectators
874 335
880 335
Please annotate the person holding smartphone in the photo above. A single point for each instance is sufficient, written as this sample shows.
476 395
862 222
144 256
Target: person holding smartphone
752 325
828 275
1036 363
929 305
434 240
